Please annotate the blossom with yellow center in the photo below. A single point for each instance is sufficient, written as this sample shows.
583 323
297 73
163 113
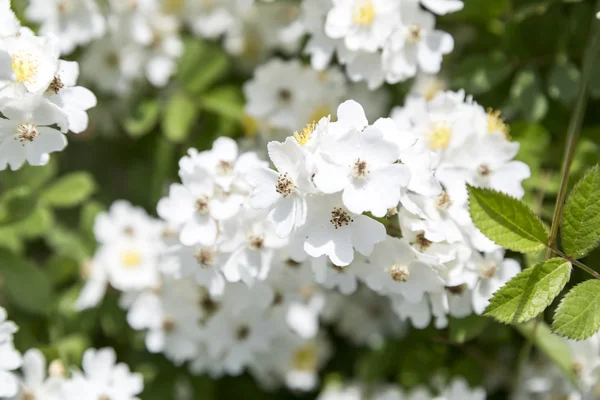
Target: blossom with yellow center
440 136
363 14
131 259
495 123
303 137
305 358
25 67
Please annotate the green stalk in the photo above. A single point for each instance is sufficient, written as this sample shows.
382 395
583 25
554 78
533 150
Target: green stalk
573 133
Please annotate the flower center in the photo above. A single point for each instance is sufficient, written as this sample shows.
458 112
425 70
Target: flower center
363 14
284 185
495 123
242 333
202 205
56 368
249 125
399 273
225 168
423 242
205 257
483 171
303 137
440 136
359 169
285 95
489 271
168 325
208 305
256 242
305 358
112 59
26 132
131 259
340 218
28 396
25 67
414 34
56 85
443 201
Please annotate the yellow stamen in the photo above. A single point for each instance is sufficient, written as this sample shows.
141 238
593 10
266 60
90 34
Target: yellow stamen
131 259
303 137
440 136
305 358
495 123
25 66
364 13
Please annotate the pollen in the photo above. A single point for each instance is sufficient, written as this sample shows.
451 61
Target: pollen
304 136
305 358
225 168
489 271
399 272
340 218
414 34
359 169
131 259
25 67
483 171
439 137
56 85
202 205
423 242
256 242
363 14
27 132
284 185
495 123
443 202
205 257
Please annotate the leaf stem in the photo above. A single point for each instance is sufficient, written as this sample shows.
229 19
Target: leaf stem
575 262
573 133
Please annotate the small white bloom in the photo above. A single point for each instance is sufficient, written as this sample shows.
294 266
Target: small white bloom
494 271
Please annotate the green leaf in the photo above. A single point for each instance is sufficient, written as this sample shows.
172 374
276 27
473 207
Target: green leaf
145 118
16 204
31 176
26 285
554 347
206 66
481 73
578 314
65 242
528 95
581 218
179 117
506 220
530 292
563 82
70 190
35 225
226 101
465 329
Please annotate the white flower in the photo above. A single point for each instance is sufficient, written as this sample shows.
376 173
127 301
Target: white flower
103 377
9 24
415 45
74 22
27 64
332 276
334 231
124 221
494 271
35 384
361 163
442 7
363 24
26 135
10 359
395 268
283 192
72 100
203 264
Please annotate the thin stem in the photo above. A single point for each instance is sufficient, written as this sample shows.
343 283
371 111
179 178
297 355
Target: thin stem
575 262
571 142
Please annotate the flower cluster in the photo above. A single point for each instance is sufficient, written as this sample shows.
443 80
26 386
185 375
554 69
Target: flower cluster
378 40
39 96
457 389
101 377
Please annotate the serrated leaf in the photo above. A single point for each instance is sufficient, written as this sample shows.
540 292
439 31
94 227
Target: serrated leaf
530 292
179 117
507 221
580 230
578 314
554 347
25 284
70 190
